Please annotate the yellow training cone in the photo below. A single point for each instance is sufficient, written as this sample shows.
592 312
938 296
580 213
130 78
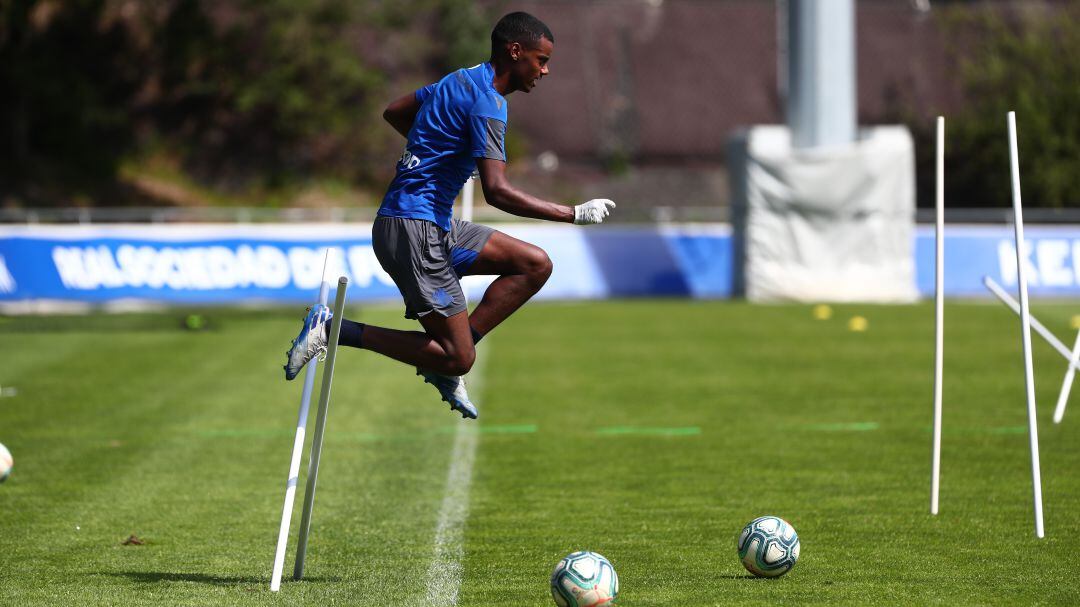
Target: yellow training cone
822 312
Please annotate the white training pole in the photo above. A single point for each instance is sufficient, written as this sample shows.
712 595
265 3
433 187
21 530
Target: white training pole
1066 385
939 312
320 426
468 197
1041 329
298 449
1025 325
468 193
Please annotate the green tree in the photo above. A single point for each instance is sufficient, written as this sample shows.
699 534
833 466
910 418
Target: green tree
275 94
242 95
67 72
1027 62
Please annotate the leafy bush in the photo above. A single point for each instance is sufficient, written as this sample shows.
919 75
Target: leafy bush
240 94
67 74
1027 62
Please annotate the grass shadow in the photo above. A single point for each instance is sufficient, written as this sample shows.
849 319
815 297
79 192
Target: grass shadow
157 577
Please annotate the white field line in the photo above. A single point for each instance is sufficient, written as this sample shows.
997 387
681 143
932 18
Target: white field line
444 575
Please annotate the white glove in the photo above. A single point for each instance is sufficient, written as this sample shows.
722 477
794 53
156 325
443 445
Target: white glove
593 211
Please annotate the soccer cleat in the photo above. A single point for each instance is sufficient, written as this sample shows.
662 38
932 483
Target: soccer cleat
452 390
310 343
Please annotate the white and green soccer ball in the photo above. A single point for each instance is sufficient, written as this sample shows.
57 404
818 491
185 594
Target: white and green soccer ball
768 546
6 462
584 579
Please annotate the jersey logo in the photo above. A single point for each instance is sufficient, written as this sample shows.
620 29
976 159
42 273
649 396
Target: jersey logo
408 160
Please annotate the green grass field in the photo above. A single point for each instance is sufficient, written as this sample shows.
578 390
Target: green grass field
647 431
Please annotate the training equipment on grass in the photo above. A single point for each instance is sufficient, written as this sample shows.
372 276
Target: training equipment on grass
1040 328
468 195
316 445
6 463
1066 383
768 546
584 579
1071 356
1026 322
1025 325
858 324
298 447
939 310
320 426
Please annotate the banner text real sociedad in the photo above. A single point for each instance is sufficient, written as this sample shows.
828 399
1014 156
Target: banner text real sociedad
210 267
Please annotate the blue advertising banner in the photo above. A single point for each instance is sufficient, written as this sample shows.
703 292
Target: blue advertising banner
1051 255
283 264
198 264
181 265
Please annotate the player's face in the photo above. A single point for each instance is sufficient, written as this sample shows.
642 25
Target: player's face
531 64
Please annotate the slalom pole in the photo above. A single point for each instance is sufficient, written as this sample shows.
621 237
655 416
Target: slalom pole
298 448
1066 385
468 196
1040 328
939 312
1025 326
320 426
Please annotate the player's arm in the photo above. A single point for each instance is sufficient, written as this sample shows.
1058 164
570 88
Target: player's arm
501 194
402 112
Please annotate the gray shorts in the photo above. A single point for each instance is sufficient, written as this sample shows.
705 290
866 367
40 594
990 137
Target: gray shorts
426 262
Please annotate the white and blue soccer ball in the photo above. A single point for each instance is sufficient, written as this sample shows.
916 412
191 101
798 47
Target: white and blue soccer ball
6 462
584 579
768 546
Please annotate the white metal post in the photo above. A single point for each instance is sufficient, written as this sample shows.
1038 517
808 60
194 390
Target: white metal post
1025 326
298 449
468 193
1066 385
821 91
320 426
939 312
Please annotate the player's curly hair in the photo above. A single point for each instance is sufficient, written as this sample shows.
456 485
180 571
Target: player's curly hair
519 27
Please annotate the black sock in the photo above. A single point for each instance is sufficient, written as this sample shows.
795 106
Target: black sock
352 333
476 336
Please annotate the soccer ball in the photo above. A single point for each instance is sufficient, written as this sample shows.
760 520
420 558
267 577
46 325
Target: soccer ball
768 546
584 579
6 463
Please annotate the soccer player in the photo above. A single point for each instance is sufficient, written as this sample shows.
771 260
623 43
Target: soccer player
454 127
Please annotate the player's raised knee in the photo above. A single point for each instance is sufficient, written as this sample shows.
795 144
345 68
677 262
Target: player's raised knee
539 265
461 362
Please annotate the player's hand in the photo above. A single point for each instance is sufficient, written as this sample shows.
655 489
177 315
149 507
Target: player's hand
593 211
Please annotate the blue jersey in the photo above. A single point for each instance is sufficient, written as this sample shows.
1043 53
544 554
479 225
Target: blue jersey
462 117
